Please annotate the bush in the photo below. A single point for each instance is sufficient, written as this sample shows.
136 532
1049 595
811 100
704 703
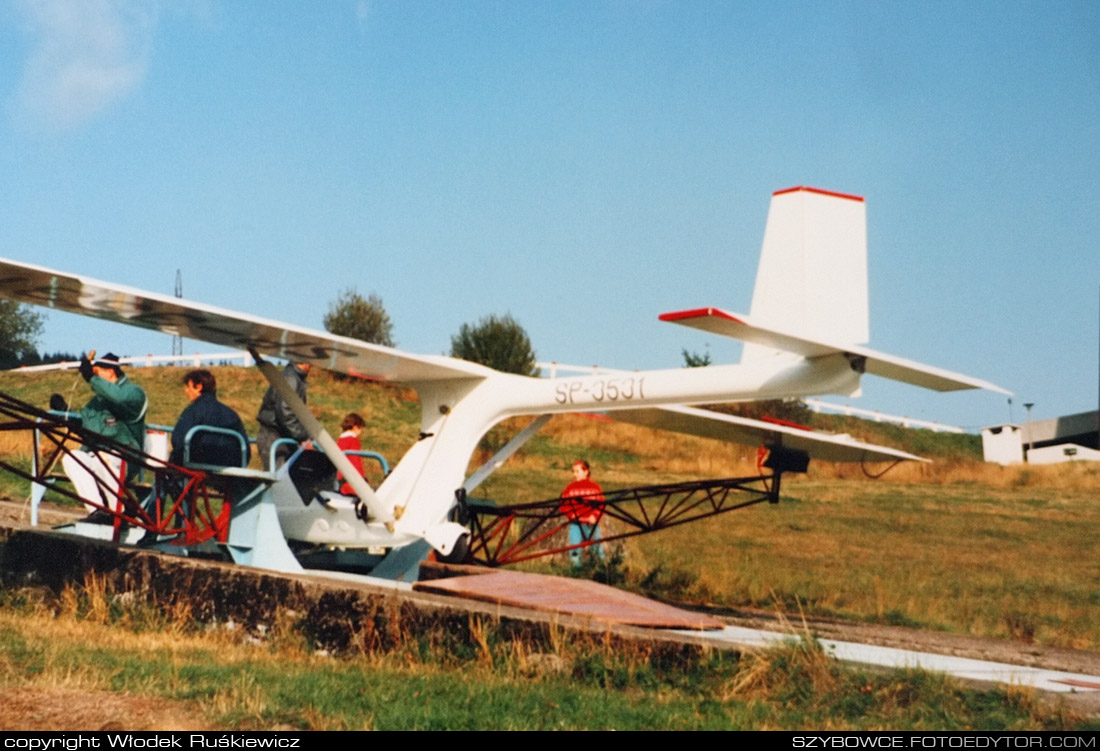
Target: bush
498 342
352 316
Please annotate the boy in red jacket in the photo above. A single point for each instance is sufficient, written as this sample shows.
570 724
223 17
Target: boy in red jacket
582 503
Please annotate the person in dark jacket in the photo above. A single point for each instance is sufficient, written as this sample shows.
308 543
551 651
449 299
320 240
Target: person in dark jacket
276 418
201 388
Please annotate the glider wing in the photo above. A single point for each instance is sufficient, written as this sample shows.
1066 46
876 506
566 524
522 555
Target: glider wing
172 315
707 424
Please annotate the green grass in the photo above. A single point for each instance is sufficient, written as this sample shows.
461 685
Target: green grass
927 443
480 679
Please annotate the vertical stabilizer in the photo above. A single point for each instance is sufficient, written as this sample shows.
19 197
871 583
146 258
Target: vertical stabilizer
812 279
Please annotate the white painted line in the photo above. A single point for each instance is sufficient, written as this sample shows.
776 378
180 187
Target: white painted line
401 586
960 667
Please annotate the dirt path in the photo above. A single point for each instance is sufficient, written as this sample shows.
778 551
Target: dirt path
30 708
14 513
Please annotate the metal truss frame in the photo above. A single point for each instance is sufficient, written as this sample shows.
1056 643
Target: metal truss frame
501 535
178 502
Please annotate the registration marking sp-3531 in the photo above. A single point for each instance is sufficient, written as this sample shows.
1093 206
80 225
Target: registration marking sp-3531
610 389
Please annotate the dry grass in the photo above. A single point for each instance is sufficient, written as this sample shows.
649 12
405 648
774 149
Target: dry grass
1067 476
656 450
243 696
763 673
674 455
16 444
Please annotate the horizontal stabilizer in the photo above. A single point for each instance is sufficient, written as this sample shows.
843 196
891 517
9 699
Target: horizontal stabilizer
149 310
718 321
701 422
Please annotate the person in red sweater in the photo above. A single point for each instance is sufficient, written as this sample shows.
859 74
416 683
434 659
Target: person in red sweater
582 504
352 426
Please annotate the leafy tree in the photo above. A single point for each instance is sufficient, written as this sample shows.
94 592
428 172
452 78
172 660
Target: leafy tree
497 341
352 316
20 327
695 360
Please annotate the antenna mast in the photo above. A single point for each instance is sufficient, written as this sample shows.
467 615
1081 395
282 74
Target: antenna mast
177 340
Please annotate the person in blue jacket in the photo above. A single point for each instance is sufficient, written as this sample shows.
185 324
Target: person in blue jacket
201 389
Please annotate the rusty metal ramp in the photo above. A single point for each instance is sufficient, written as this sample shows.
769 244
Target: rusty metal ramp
557 594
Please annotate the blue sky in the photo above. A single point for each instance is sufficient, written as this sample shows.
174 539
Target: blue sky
584 166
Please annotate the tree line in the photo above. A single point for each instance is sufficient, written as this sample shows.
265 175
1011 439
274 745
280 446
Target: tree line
499 342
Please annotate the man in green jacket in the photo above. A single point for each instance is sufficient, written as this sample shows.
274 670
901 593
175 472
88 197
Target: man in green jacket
116 411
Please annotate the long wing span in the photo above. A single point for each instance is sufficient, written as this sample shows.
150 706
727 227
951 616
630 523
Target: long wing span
113 302
718 321
825 446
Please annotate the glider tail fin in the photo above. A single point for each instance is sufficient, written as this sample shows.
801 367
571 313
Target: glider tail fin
812 278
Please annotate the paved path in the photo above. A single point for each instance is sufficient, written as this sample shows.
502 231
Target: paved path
960 667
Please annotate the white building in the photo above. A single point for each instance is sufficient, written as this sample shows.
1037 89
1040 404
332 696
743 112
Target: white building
1003 444
1061 439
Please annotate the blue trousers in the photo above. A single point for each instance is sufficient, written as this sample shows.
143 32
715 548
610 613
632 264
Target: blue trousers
580 532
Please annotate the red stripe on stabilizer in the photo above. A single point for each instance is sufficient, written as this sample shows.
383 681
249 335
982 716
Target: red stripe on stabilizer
785 423
1075 682
819 191
681 315
356 374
